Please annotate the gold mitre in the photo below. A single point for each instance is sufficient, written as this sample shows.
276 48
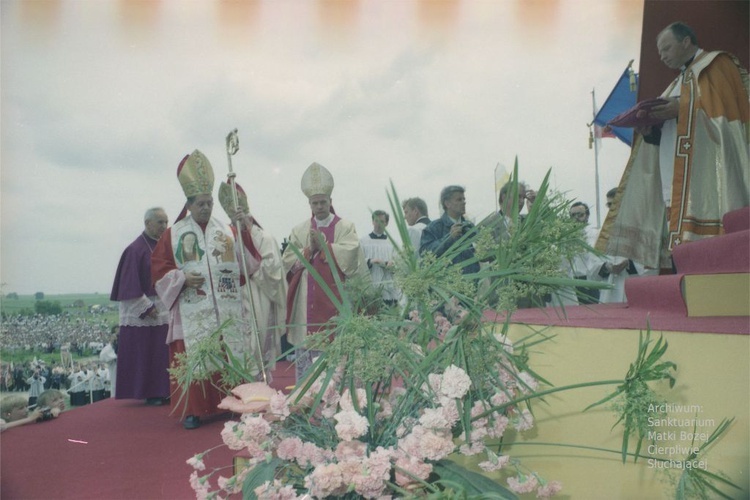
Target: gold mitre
317 180
227 203
195 174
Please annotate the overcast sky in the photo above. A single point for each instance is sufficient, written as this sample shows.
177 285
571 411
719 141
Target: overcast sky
101 99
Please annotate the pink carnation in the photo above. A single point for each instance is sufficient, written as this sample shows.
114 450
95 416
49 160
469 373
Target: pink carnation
347 402
254 450
325 480
437 445
494 462
455 382
230 484
279 406
412 444
386 410
231 436
507 378
349 470
379 461
313 455
433 383
434 418
196 462
275 491
529 382
199 484
255 428
449 407
474 448
347 450
289 448
331 396
351 425
499 398
442 325
523 421
406 467
548 490
499 424
369 485
406 424
522 484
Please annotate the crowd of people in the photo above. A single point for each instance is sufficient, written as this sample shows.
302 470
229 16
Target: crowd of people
48 333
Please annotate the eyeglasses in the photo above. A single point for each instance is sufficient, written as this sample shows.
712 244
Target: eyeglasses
578 215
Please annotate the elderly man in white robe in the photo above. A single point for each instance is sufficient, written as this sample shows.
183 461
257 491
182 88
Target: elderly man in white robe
309 309
265 293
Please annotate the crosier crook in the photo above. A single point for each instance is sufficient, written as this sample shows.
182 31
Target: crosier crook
233 145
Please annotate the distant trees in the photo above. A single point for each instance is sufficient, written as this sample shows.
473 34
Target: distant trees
47 307
12 296
39 295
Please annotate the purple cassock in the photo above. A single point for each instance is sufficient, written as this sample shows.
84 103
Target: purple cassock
142 352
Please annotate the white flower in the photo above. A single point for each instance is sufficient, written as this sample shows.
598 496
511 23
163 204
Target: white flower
455 383
351 425
434 418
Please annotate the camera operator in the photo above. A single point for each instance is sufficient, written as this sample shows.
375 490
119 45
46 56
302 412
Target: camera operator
15 413
36 386
441 234
52 399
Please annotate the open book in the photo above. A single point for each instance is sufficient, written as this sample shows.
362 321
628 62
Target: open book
638 115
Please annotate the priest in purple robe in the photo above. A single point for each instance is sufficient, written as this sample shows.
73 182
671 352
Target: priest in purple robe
142 353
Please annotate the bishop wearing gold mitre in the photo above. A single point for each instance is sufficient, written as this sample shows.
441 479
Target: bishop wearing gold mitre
309 309
197 275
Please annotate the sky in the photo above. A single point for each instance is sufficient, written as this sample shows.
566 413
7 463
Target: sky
101 99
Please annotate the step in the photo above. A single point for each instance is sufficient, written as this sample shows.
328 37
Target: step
728 253
656 293
717 294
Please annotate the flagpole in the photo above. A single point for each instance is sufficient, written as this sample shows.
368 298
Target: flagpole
596 160
497 195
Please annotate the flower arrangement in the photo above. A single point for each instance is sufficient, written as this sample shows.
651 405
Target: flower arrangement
400 395
323 442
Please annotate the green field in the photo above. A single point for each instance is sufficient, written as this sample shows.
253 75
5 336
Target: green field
74 303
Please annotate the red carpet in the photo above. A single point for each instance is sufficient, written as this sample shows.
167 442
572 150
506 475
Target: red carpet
113 449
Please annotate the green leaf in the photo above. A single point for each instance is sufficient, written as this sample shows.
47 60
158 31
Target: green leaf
472 482
261 473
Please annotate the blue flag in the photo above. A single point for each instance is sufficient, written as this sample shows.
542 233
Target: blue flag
621 99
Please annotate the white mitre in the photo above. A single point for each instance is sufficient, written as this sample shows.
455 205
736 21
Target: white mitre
317 180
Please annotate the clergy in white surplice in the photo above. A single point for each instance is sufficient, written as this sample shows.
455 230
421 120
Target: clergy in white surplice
379 254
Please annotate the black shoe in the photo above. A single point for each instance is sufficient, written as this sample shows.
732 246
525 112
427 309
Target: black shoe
191 422
155 401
